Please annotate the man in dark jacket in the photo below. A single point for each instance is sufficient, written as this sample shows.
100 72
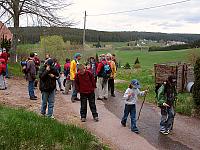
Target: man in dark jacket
31 76
48 75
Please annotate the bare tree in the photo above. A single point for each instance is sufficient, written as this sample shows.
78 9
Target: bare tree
43 9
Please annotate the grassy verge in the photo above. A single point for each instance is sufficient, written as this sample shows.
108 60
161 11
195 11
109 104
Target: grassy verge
14 69
20 129
184 102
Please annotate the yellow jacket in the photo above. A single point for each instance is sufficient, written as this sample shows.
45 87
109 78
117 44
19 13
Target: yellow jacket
73 69
113 68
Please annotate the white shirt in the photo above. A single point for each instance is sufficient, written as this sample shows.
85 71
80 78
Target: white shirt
134 95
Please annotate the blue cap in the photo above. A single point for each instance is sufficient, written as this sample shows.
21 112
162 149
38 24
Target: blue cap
136 83
77 55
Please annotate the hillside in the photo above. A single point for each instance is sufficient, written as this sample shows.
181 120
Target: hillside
32 35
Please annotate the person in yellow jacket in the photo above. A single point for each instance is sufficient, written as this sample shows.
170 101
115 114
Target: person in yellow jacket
73 70
111 85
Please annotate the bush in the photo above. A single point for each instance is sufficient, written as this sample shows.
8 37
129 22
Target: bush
137 66
127 66
196 90
193 55
137 61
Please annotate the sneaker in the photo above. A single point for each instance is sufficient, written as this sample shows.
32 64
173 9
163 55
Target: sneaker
83 119
52 117
123 124
166 132
137 131
99 99
162 131
33 98
96 119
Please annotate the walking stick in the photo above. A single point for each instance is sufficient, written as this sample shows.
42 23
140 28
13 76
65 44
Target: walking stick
141 107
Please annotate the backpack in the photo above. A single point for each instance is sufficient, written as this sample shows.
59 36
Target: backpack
106 72
24 66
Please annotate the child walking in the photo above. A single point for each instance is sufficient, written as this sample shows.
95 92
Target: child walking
131 97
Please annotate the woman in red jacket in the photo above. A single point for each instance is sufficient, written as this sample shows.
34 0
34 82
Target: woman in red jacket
2 74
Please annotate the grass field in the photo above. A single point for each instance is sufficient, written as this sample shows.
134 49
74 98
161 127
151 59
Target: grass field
24 130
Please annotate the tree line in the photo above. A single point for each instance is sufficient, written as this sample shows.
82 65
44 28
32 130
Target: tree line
32 35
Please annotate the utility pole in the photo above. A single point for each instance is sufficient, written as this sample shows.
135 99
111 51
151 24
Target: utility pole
84 30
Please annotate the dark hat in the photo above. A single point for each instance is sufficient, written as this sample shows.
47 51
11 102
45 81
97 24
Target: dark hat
172 79
136 83
50 62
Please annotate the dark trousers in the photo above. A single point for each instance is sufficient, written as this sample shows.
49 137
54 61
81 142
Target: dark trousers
91 98
111 86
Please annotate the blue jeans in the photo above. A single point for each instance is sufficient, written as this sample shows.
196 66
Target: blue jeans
59 83
6 70
31 88
48 98
167 118
74 92
132 110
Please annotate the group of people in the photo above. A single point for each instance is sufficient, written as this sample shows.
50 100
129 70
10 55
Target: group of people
95 76
4 57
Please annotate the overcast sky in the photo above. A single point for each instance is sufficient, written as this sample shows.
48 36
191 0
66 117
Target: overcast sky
180 18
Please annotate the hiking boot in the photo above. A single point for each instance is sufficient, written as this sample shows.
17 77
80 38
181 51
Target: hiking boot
77 99
105 98
123 124
65 93
33 98
83 119
99 99
113 95
96 119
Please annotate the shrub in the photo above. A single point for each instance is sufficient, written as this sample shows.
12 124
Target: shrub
193 55
127 66
136 66
137 61
196 90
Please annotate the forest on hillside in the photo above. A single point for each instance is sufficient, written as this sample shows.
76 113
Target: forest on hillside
32 35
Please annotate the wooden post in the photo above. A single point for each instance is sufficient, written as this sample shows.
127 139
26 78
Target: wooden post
84 30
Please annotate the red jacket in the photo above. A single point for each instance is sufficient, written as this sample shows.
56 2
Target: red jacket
5 56
100 67
2 66
85 83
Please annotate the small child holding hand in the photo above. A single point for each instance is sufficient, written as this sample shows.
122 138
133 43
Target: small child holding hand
131 97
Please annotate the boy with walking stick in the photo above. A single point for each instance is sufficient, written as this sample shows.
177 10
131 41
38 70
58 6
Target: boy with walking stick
131 97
